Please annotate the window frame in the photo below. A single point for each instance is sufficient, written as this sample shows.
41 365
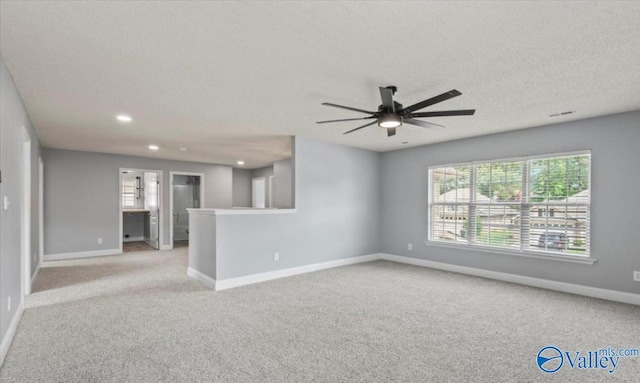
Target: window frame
123 194
525 204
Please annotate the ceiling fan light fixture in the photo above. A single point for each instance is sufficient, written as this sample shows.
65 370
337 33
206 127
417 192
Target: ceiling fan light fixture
389 121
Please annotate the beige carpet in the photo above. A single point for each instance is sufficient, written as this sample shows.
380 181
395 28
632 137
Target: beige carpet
139 318
136 246
179 244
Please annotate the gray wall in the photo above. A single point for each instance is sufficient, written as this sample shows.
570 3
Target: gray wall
82 196
202 240
262 172
241 187
13 116
613 140
283 184
338 198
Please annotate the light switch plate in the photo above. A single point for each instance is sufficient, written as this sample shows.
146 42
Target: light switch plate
5 203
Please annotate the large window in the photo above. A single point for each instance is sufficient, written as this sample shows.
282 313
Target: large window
538 204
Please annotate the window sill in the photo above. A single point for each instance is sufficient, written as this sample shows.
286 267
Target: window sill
516 253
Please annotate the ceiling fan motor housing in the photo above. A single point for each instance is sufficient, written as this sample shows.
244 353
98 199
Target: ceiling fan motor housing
397 106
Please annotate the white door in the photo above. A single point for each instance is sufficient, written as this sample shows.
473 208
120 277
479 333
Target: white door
258 190
151 203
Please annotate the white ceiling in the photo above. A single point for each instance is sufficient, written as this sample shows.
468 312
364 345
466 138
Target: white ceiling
232 80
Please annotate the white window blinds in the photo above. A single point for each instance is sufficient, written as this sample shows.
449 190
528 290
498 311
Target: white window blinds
539 204
129 193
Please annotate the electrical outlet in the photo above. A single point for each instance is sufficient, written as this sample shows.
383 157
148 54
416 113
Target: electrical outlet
410 246
9 303
99 241
636 276
276 256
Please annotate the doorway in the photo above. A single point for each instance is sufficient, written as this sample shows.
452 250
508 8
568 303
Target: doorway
258 189
186 192
140 210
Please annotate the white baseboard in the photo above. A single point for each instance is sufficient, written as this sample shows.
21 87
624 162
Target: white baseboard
166 247
35 275
11 331
81 254
202 278
270 275
133 239
594 292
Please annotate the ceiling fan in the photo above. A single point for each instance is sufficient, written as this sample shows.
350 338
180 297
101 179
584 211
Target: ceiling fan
391 114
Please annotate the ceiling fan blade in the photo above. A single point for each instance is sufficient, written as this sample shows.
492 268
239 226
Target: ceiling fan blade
391 132
346 107
432 101
423 124
345 119
387 98
444 113
360 127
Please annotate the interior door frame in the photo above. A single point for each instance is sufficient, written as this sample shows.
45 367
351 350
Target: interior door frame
160 204
25 215
270 191
41 209
178 173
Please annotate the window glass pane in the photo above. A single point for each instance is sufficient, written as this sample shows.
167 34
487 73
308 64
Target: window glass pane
451 184
128 193
498 226
447 225
556 179
500 181
560 229
128 200
450 188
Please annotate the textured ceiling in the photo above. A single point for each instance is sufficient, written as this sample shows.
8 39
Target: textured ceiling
231 80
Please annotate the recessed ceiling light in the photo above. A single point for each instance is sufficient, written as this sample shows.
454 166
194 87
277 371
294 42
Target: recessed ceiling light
183 149
240 162
153 147
124 118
